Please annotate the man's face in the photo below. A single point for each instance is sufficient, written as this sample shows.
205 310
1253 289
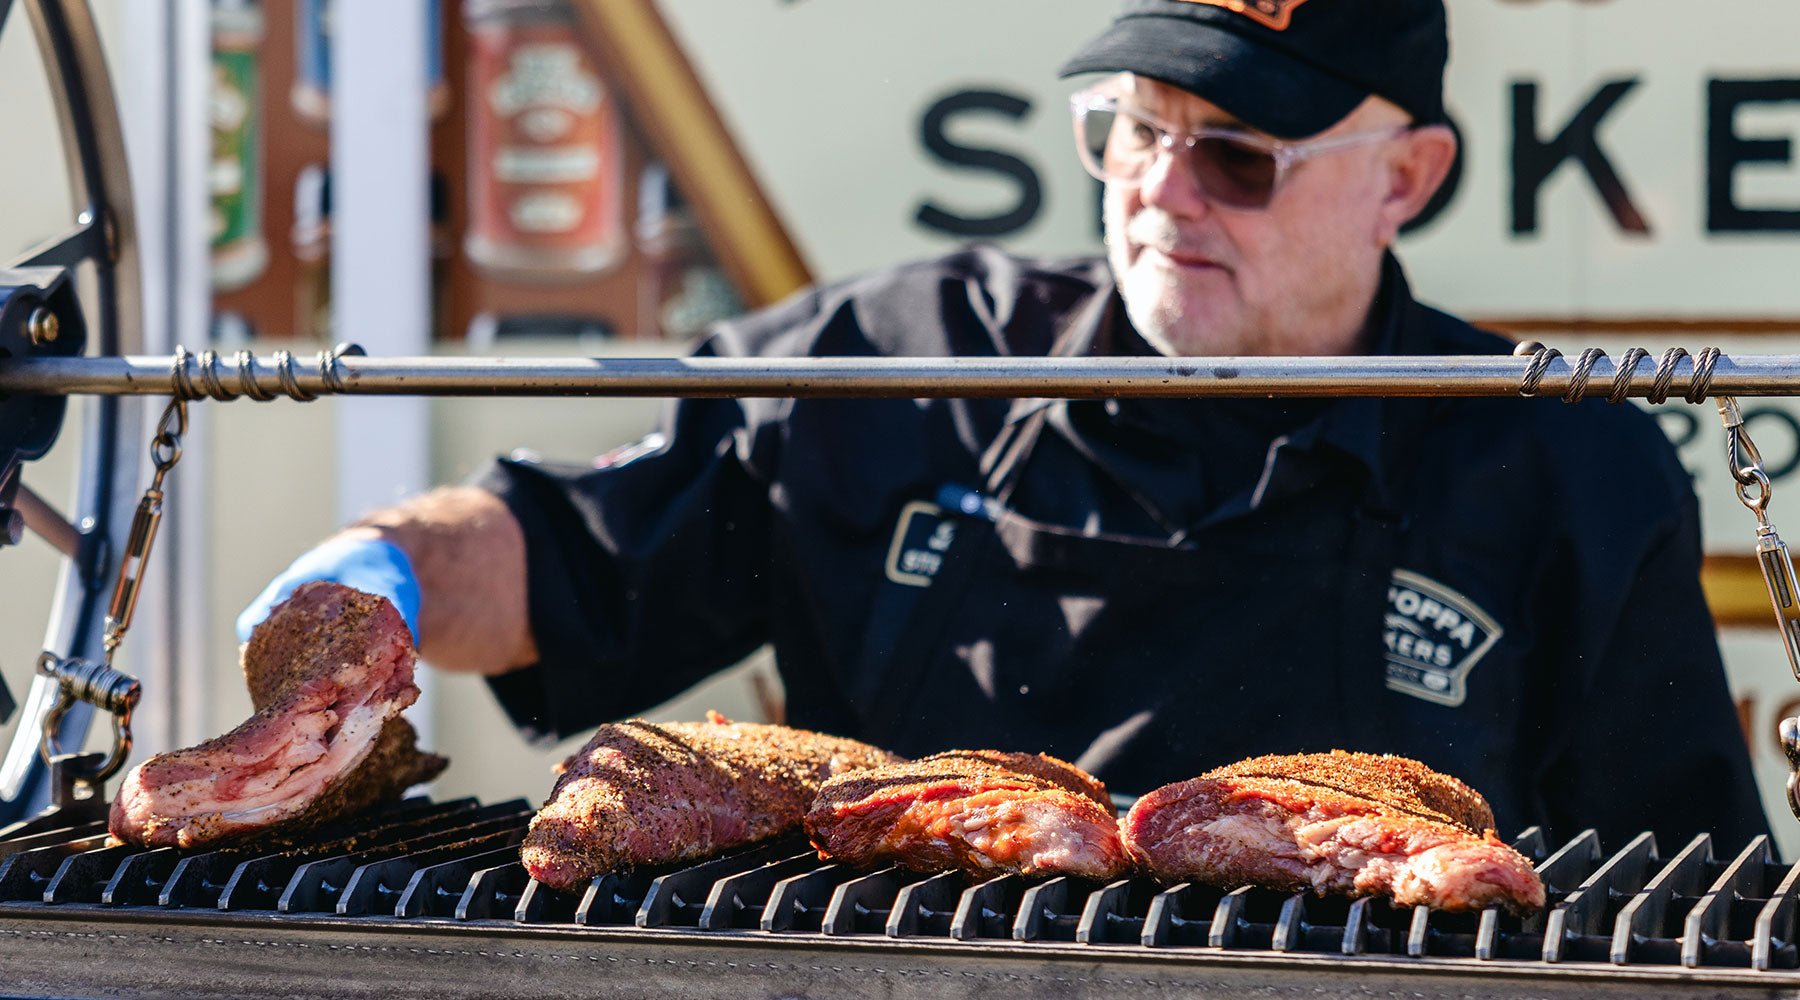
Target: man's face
1297 277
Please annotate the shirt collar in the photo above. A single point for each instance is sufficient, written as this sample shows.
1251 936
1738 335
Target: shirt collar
1357 428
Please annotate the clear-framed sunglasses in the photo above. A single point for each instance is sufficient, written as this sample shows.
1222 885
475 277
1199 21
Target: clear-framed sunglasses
1235 168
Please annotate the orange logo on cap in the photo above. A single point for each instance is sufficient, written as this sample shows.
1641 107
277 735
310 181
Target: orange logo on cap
1272 13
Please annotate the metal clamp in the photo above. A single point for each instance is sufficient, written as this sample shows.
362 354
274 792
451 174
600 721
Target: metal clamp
213 384
99 685
1699 382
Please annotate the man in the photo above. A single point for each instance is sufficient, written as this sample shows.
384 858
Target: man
1149 588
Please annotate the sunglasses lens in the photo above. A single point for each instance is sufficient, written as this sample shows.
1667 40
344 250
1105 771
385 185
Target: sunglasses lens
1122 148
1115 146
1235 173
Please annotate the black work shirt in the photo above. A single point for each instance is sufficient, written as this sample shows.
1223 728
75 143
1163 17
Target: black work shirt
1505 589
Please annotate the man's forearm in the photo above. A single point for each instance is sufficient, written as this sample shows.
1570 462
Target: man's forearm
469 554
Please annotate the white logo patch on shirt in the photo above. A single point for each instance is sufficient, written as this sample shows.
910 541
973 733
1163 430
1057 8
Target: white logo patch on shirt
1434 637
921 537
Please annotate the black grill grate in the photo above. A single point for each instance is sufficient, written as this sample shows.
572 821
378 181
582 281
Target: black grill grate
458 861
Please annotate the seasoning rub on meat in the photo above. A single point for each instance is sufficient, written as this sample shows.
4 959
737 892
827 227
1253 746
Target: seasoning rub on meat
978 811
329 672
644 793
1338 822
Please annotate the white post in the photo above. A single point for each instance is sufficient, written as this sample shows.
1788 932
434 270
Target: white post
160 57
380 254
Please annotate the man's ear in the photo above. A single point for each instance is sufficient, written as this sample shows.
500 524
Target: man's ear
1421 160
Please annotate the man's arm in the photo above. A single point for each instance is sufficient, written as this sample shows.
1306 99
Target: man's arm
468 553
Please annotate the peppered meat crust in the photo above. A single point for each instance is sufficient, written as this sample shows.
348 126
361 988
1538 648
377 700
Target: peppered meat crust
643 793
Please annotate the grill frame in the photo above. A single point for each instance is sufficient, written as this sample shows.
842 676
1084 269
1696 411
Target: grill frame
81 919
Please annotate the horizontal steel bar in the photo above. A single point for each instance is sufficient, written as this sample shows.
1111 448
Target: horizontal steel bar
76 950
1073 378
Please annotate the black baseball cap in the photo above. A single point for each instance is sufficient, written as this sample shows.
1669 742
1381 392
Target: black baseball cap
1292 68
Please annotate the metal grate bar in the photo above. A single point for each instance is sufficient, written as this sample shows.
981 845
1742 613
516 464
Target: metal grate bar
1287 932
493 893
612 898
254 879
1366 927
739 901
376 887
678 898
1051 910
1228 923
1114 915
985 909
540 904
926 907
436 890
199 880
24 876
51 838
1710 919
318 885
1180 916
799 902
1775 923
1639 925
139 881
83 877
1577 919
862 905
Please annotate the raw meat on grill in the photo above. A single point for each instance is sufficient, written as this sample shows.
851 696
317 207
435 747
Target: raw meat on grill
978 811
1339 822
643 793
329 672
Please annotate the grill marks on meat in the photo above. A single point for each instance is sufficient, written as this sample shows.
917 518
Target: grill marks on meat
329 673
648 793
979 811
1338 822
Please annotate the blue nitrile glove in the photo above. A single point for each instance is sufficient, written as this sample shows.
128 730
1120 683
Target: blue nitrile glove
368 564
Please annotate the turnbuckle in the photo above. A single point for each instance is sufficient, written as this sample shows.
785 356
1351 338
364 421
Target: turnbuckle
100 684
1754 490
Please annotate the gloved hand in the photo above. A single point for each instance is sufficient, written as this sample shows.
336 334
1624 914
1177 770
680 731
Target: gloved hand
368 564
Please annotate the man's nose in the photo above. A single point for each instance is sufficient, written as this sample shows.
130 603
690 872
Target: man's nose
1171 185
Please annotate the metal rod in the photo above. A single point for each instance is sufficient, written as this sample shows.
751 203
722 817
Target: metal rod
1481 375
46 523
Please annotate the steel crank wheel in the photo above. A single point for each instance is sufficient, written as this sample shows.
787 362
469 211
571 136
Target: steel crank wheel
75 293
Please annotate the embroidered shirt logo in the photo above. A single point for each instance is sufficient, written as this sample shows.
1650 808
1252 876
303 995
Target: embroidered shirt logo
1434 637
1271 13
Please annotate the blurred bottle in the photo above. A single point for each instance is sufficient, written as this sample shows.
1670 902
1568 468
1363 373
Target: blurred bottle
234 179
312 253
311 93
546 168
681 288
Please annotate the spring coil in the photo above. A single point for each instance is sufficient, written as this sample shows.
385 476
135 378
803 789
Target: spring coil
196 377
1699 382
